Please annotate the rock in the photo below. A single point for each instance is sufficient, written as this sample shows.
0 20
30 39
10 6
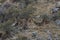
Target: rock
1 11
56 36
22 5
49 38
57 22
49 35
6 5
34 34
54 10
58 4
14 24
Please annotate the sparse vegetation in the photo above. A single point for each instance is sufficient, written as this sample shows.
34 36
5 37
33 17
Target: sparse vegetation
22 17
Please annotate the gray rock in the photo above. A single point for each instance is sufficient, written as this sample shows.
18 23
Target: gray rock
56 36
34 34
49 35
22 5
49 38
54 10
58 4
57 22
6 5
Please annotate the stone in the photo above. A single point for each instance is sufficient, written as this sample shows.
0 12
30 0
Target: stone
34 34
54 10
58 4
57 22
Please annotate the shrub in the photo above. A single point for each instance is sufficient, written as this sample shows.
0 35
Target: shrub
44 18
12 14
24 13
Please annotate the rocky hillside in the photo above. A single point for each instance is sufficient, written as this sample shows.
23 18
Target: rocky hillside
29 19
